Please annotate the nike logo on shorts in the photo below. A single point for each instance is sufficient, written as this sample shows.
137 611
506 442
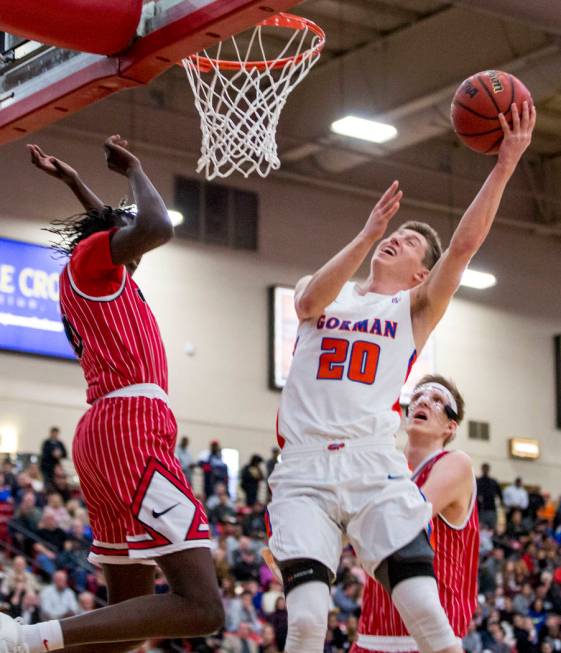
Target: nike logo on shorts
163 512
393 477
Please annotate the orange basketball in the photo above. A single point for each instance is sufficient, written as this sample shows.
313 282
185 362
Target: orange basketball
477 104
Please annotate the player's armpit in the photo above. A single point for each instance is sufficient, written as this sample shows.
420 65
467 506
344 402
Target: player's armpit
430 299
132 242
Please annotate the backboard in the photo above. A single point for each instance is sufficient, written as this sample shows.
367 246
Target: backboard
41 84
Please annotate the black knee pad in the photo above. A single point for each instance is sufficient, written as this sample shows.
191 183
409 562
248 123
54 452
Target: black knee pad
412 560
303 570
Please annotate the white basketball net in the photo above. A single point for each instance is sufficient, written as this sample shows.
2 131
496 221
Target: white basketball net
240 108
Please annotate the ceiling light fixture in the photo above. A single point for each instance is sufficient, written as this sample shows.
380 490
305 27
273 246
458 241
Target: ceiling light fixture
478 280
366 130
176 217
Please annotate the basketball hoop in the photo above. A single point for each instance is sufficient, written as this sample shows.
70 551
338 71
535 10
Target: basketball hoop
240 98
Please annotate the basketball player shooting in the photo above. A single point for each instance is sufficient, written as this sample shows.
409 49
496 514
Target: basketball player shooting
140 506
446 479
341 473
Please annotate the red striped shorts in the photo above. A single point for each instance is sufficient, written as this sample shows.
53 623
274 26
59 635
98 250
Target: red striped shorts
139 503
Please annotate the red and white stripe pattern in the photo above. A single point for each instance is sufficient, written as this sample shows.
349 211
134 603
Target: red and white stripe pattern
118 336
116 443
456 560
139 502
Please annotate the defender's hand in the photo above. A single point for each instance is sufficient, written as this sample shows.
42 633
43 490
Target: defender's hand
386 207
517 139
119 159
51 165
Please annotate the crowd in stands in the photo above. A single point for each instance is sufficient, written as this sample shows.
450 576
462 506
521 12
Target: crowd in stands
45 538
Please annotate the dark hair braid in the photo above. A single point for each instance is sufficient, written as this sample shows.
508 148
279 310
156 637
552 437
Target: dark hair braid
70 231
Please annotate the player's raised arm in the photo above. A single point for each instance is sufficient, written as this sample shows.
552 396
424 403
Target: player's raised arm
316 292
61 170
430 299
152 226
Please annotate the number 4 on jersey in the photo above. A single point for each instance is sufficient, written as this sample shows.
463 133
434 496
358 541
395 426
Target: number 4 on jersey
361 363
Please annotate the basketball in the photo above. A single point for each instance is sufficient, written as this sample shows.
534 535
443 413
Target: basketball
476 106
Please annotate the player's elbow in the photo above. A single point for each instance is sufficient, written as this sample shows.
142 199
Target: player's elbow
462 249
212 617
306 306
156 232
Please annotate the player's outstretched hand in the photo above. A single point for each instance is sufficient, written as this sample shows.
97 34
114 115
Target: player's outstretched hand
517 138
51 165
119 159
386 207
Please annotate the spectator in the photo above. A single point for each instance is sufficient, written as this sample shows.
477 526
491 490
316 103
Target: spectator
222 508
497 643
35 476
472 641
243 641
27 609
185 458
86 602
551 632
253 524
268 640
52 452
74 560
336 640
526 636
55 506
522 602
243 610
346 598
25 523
279 621
515 528
214 468
10 477
536 502
538 615
515 496
19 576
270 597
273 460
488 490
6 506
251 477
57 600
52 539
220 490
245 563
59 483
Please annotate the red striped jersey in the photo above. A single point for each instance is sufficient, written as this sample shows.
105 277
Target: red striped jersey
456 550
108 322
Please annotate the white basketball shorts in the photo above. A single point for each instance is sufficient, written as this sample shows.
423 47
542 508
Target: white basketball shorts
360 488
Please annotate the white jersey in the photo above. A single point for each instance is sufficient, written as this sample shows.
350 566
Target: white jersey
348 370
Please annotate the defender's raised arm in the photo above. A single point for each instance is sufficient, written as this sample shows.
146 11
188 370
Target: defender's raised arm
152 226
61 170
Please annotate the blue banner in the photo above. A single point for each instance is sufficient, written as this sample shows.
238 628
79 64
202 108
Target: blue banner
29 307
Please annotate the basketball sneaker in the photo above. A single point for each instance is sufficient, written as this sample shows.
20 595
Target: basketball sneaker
11 636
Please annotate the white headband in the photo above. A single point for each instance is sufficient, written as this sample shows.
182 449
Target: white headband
441 388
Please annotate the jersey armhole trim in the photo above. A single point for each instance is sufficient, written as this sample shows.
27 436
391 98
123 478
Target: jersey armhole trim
103 298
460 527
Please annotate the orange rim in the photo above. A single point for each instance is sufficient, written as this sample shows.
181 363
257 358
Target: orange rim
289 21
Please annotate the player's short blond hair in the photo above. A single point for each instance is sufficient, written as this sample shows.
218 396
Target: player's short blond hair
434 246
